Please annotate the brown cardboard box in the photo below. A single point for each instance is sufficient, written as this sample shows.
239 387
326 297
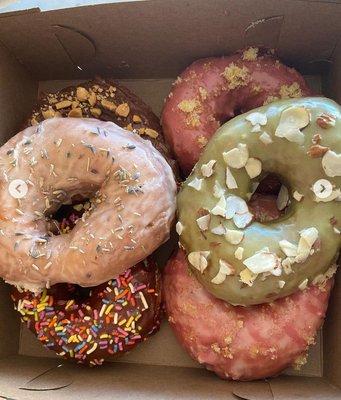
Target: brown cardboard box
146 44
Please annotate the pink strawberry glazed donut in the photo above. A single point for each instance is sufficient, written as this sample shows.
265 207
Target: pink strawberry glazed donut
242 343
213 90
130 185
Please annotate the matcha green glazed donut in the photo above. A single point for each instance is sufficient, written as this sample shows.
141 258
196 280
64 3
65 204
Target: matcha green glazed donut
246 262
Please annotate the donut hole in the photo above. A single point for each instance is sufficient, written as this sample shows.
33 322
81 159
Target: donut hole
223 117
65 218
265 204
63 292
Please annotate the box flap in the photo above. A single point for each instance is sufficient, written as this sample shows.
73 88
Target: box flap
158 39
33 379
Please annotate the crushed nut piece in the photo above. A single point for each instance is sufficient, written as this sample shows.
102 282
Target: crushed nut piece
123 110
316 151
75 113
326 121
316 139
63 104
47 114
151 133
96 112
82 94
137 119
92 99
207 169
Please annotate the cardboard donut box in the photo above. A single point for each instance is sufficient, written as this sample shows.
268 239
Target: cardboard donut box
145 44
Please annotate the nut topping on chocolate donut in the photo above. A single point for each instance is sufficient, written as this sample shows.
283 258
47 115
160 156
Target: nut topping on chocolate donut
106 100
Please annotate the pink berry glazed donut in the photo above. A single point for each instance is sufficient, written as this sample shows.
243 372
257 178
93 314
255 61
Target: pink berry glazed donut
242 343
213 90
130 186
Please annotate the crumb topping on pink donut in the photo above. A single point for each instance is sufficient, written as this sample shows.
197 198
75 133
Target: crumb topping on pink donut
213 90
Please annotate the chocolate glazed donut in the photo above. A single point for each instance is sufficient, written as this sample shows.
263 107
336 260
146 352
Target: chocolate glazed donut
91 325
106 100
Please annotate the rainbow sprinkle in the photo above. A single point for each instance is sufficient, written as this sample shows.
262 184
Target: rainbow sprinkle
123 316
127 310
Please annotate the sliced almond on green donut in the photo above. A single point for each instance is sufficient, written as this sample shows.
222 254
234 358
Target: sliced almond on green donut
203 222
207 169
239 253
237 157
225 269
253 167
220 207
247 276
196 184
331 163
292 120
242 220
198 259
297 196
303 284
263 261
179 228
235 204
231 183
286 265
308 237
257 118
265 138
282 198
234 236
219 230
218 190
288 248
322 278
256 128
